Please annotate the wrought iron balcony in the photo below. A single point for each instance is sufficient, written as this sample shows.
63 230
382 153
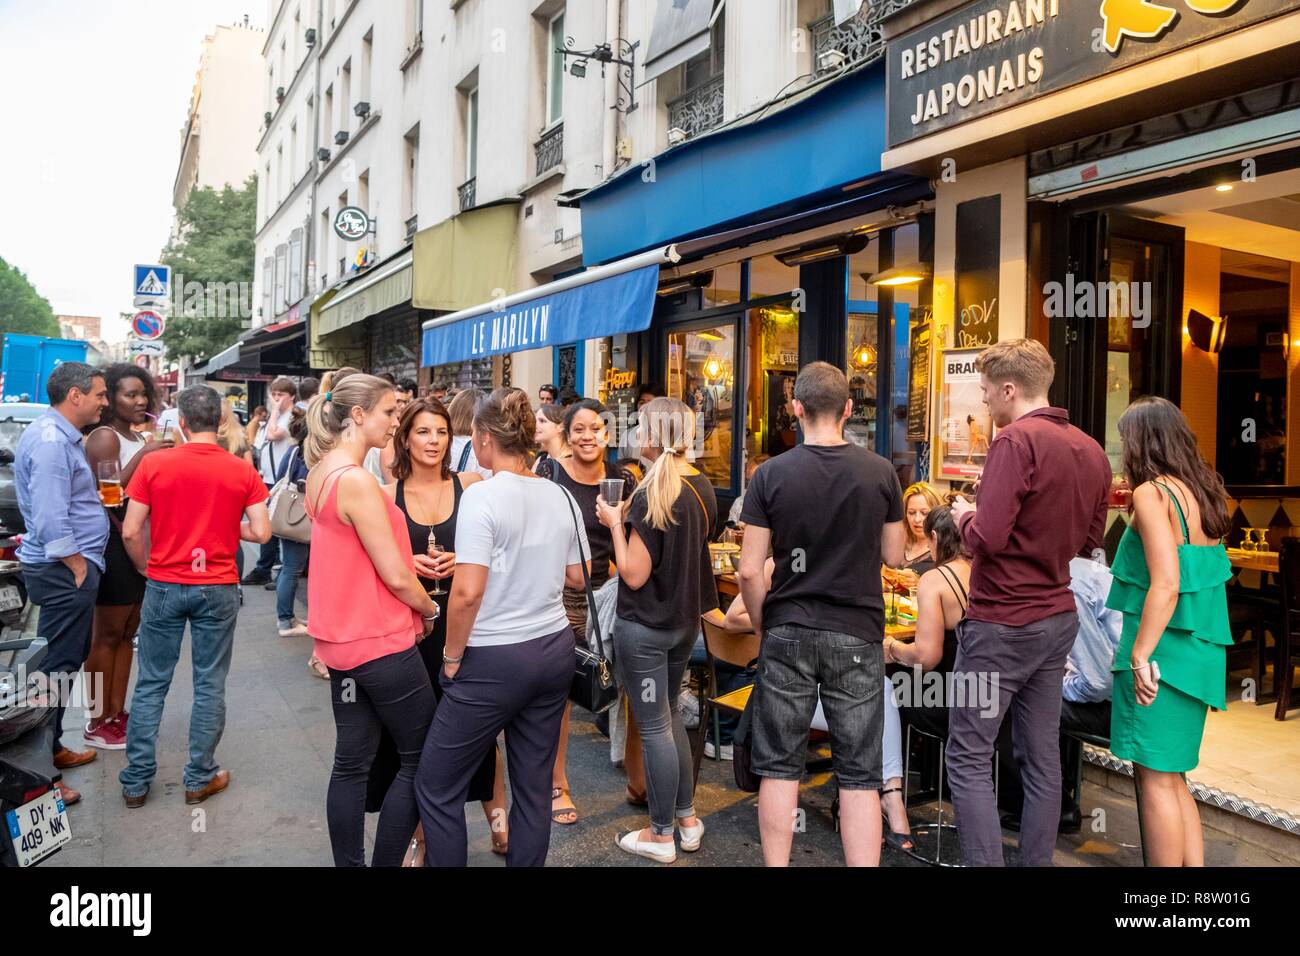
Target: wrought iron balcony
550 149
466 192
699 110
412 227
859 39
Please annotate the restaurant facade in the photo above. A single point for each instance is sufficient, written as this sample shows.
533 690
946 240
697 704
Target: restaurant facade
1122 182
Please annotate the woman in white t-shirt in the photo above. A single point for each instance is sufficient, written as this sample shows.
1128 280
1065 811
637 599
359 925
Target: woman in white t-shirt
508 663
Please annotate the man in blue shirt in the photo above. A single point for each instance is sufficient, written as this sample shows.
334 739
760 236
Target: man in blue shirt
62 550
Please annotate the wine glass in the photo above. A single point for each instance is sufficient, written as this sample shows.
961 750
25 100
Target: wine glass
433 551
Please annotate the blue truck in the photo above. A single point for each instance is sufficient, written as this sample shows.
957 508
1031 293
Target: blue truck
27 362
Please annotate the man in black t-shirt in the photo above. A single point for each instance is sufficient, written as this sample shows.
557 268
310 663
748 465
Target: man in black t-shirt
830 512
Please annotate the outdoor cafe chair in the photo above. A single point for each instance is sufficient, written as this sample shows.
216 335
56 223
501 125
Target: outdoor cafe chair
738 648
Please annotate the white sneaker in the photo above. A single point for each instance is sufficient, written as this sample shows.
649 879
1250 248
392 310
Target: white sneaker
297 629
691 836
688 705
710 750
659 852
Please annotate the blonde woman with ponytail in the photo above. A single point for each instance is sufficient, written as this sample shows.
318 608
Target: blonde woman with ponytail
368 611
665 584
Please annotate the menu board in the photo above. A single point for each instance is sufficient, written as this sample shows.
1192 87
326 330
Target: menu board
918 382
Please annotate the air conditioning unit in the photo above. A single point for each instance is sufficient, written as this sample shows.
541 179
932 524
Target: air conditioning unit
323 154
311 36
362 109
340 137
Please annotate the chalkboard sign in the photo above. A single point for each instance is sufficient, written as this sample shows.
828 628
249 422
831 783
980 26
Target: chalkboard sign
979 231
918 382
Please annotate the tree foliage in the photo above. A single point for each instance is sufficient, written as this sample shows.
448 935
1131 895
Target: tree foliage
215 249
22 308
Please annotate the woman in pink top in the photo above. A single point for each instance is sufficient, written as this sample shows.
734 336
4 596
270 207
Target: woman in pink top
368 611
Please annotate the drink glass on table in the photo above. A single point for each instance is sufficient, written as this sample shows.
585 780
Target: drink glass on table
110 483
433 551
611 489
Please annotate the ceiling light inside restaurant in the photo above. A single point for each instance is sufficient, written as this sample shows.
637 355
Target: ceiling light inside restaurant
910 274
1206 331
713 369
864 357
709 335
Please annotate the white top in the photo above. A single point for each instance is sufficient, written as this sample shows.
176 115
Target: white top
127 448
374 463
522 530
278 450
458 444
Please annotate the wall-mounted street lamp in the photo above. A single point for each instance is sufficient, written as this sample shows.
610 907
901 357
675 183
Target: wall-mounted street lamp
604 54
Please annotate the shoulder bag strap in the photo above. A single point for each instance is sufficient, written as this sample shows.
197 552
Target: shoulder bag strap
464 454
708 525
593 619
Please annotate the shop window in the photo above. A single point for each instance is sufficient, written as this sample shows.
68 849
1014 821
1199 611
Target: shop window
1252 419
702 373
769 276
862 343
773 367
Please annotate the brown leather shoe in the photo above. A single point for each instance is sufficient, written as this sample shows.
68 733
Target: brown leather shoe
134 803
67 794
215 785
66 758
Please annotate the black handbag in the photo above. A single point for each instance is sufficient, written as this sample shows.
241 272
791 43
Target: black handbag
593 685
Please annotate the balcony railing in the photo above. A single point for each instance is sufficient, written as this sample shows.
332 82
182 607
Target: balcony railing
859 39
550 149
412 226
466 192
699 110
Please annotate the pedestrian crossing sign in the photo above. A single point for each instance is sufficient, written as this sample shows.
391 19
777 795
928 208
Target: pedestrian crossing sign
152 281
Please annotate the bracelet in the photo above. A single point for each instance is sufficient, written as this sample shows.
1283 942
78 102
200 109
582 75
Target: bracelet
1141 667
452 660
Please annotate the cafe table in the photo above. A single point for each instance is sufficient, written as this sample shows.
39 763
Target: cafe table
1265 561
729 586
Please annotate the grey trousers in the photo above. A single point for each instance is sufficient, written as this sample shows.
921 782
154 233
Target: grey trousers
650 664
1003 669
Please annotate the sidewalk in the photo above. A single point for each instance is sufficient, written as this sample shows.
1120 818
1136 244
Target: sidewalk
278 746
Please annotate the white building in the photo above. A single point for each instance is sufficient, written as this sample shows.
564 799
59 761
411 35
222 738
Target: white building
422 112
219 141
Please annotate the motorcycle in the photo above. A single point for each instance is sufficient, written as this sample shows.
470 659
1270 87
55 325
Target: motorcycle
31 805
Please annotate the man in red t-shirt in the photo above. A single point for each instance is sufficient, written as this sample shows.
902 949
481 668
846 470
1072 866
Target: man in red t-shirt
195 499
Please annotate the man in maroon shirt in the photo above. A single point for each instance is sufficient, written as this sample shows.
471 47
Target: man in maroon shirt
1042 500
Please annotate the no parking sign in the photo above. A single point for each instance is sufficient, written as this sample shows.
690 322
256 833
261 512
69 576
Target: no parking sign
147 325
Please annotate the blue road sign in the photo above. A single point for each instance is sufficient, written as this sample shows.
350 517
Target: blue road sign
152 281
147 325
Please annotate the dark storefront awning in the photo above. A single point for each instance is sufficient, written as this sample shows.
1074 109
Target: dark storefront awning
680 31
607 300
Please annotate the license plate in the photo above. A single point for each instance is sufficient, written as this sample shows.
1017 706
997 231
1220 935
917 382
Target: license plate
39 828
10 598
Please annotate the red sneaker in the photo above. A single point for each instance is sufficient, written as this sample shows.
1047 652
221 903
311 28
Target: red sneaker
109 735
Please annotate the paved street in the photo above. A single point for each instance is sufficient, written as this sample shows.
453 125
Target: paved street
279 743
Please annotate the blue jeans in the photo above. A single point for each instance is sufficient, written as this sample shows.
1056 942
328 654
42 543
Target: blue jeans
210 610
293 556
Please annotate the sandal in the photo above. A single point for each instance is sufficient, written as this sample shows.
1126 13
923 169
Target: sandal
561 793
899 841
414 853
317 667
637 799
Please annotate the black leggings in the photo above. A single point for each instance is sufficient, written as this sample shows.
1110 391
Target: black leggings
391 693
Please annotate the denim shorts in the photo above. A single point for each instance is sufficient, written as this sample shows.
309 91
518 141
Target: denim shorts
793 661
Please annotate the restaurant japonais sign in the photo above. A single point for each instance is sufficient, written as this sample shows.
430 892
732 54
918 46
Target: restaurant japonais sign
993 54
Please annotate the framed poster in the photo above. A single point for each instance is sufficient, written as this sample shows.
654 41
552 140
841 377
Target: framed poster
780 432
966 426
918 383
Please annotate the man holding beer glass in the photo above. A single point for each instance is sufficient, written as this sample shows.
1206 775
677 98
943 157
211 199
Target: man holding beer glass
62 550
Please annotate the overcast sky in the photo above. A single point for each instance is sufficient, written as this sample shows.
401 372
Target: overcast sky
96 95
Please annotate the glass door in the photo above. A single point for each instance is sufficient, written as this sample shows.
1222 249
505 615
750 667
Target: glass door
702 370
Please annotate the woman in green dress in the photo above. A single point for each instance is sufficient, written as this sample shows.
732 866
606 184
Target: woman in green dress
1170 665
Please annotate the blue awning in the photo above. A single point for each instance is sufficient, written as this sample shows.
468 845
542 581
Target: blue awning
605 301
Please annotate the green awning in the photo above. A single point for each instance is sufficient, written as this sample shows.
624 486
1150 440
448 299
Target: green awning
467 259
385 286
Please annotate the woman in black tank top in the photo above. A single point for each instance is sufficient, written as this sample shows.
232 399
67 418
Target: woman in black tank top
428 493
934 650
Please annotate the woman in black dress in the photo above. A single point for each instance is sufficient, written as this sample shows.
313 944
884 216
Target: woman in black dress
428 492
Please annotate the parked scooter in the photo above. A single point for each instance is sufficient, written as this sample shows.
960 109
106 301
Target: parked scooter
35 821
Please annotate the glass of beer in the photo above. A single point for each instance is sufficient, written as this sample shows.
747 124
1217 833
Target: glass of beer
110 484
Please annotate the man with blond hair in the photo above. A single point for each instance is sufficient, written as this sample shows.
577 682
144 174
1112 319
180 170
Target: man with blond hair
1042 501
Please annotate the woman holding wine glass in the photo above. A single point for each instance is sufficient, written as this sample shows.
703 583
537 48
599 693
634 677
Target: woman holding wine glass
428 493
114 449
